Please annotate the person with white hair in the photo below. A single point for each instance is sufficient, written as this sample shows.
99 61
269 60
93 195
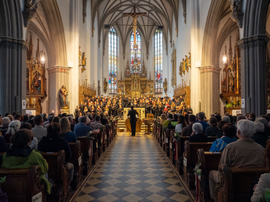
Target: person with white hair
242 153
226 119
260 136
13 127
198 135
4 128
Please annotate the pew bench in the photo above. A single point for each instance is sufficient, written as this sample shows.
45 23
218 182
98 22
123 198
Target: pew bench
209 161
58 172
190 159
23 184
235 183
77 161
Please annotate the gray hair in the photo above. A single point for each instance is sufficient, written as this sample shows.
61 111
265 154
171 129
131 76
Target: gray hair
246 128
6 121
82 119
13 126
259 127
263 121
197 128
226 119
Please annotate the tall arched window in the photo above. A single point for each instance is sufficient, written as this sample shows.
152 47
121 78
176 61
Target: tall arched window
132 52
112 60
158 62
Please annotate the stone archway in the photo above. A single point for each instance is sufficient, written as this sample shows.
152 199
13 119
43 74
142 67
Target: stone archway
12 57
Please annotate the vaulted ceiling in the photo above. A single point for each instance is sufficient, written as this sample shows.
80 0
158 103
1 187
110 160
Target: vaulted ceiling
159 13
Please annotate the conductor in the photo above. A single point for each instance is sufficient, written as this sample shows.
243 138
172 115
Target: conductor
132 117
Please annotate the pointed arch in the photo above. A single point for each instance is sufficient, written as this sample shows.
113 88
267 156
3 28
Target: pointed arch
113 60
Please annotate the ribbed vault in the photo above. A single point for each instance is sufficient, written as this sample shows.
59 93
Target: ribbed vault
159 13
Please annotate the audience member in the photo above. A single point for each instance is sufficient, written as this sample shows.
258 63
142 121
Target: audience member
54 143
4 127
169 119
39 131
103 120
187 131
34 142
96 124
229 133
226 119
174 122
20 155
71 121
212 130
81 129
56 119
238 153
201 120
65 130
12 128
260 136
198 135
181 123
252 117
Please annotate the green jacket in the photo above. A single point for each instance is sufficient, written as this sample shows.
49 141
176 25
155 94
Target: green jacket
35 158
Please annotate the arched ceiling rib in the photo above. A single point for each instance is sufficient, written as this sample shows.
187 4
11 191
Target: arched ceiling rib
159 13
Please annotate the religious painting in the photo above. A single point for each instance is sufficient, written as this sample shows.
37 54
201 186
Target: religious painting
36 82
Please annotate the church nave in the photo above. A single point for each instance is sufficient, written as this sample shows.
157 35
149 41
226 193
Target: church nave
133 169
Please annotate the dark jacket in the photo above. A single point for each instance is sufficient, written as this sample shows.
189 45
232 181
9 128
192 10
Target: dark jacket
261 138
55 144
3 144
204 124
198 138
132 115
212 131
187 131
104 121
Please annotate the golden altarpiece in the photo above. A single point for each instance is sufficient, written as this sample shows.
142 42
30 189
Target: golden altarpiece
183 90
35 79
135 82
231 79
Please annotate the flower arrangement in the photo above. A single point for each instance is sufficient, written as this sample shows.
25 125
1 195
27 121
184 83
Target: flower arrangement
176 136
90 135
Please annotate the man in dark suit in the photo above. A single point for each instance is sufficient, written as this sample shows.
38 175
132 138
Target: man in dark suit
132 117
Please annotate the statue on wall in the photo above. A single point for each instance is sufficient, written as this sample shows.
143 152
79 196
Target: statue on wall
189 60
105 85
63 94
165 84
83 59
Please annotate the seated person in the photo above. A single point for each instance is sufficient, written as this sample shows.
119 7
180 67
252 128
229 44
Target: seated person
198 135
34 142
20 155
3 144
239 153
212 130
65 130
169 120
180 124
201 120
162 119
260 136
81 129
13 126
174 122
4 127
53 142
187 131
96 124
103 119
229 133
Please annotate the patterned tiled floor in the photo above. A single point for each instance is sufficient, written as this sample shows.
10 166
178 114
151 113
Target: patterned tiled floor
133 170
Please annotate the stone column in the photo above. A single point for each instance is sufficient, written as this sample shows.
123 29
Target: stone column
58 76
209 82
12 75
253 74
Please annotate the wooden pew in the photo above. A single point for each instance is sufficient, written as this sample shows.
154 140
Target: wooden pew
172 143
190 159
99 144
58 172
209 161
155 129
180 149
77 161
235 183
108 141
166 144
159 134
87 150
23 184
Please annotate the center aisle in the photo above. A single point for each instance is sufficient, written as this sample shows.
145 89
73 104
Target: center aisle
134 169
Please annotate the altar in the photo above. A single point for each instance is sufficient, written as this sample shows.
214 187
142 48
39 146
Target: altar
141 112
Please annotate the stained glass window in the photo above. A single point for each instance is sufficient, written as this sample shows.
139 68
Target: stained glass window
158 62
133 52
112 61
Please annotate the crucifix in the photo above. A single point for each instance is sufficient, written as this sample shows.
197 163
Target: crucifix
134 24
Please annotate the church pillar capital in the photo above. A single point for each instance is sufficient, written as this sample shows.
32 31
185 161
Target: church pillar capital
210 68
